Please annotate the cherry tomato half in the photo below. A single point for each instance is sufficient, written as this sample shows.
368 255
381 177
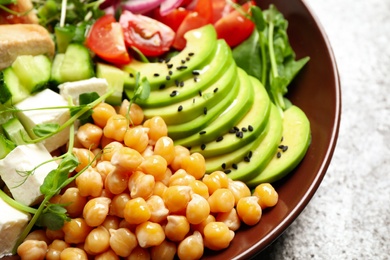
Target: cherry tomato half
200 16
106 40
221 8
234 27
148 35
173 19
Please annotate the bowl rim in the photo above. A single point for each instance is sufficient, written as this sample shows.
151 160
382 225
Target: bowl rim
276 232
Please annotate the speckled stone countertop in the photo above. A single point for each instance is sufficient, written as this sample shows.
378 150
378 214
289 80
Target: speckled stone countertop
349 216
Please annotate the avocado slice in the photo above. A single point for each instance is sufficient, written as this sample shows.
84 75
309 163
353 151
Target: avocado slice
181 65
195 105
247 130
296 139
196 125
226 160
229 118
261 155
185 88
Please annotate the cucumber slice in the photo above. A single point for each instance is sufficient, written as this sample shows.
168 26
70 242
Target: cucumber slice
32 71
115 78
77 64
11 90
14 131
6 146
55 77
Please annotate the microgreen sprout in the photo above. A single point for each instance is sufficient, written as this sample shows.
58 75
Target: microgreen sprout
141 92
53 216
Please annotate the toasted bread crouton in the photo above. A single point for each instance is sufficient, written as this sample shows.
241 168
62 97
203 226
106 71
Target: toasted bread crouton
23 7
23 39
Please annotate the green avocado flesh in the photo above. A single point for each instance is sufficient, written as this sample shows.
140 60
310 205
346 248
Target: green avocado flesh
250 128
215 108
296 141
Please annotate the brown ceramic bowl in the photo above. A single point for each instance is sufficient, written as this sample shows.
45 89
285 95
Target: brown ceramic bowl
317 91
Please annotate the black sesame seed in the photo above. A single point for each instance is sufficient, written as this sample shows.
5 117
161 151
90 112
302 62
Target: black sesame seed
187 58
200 93
223 166
244 129
170 72
180 108
169 66
278 155
181 67
203 146
215 90
241 135
205 110
227 171
176 83
162 86
250 154
250 128
181 84
156 74
234 166
232 131
281 140
173 93
202 132
191 54
285 148
167 77
247 159
281 146
236 128
219 139
131 75
183 61
195 72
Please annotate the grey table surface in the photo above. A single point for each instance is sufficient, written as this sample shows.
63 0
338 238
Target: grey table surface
349 215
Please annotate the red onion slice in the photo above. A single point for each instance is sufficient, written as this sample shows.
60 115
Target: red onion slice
141 6
168 5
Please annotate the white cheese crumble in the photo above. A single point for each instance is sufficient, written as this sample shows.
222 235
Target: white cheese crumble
12 224
75 88
26 188
29 119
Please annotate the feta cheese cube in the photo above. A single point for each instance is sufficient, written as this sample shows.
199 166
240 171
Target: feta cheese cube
29 119
26 188
12 224
75 88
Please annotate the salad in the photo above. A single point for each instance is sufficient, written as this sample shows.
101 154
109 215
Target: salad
147 128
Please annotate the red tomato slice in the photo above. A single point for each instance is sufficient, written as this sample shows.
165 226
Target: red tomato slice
221 8
148 35
201 16
234 28
106 40
173 19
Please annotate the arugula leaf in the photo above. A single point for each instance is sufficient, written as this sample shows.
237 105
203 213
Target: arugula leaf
268 55
247 51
